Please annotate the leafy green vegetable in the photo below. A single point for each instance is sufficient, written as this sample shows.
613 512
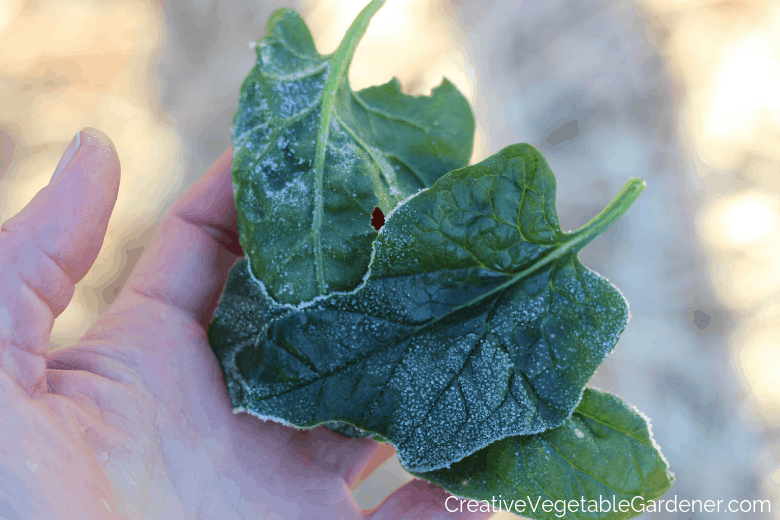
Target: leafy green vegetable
604 450
312 158
476 321
463 332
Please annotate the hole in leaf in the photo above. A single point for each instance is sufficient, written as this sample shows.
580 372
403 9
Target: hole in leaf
377 219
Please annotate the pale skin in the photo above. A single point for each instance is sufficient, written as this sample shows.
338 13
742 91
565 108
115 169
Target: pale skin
134 421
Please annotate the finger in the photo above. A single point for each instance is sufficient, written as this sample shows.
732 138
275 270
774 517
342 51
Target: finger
187 261
322 448
420 499
48 247
360 472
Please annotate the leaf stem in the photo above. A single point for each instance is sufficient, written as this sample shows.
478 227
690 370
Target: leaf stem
355 32
609 215
337 78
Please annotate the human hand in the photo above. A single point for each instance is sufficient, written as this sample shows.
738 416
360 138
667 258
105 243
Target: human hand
134 421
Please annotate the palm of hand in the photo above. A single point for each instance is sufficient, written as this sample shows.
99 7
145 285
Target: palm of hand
134 421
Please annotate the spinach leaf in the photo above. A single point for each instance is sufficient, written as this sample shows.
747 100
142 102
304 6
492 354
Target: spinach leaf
312 158
603 454
476 321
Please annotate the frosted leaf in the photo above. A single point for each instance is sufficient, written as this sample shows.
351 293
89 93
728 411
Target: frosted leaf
298 121
605 450
476 321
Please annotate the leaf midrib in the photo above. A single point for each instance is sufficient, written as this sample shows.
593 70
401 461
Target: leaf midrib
337 80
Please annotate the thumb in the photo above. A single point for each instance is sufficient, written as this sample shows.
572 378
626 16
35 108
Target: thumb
48 247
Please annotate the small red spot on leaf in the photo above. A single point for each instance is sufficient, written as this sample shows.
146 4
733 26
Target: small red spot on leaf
377 219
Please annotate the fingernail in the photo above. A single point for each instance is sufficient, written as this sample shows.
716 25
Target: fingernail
73 147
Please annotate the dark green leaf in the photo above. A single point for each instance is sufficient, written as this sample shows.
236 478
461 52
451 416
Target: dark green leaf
312 158
601 455
476 322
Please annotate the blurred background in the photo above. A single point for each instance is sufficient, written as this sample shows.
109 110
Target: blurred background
683 93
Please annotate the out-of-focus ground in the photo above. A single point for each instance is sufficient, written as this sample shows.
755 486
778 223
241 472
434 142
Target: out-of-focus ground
684 94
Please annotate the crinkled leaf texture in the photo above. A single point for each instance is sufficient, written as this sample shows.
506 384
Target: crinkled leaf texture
604 450
312 158
476 321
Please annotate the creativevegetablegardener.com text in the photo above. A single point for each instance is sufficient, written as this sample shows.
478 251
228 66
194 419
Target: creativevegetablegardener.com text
605 505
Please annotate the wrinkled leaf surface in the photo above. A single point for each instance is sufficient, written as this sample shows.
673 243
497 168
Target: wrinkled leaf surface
476 322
